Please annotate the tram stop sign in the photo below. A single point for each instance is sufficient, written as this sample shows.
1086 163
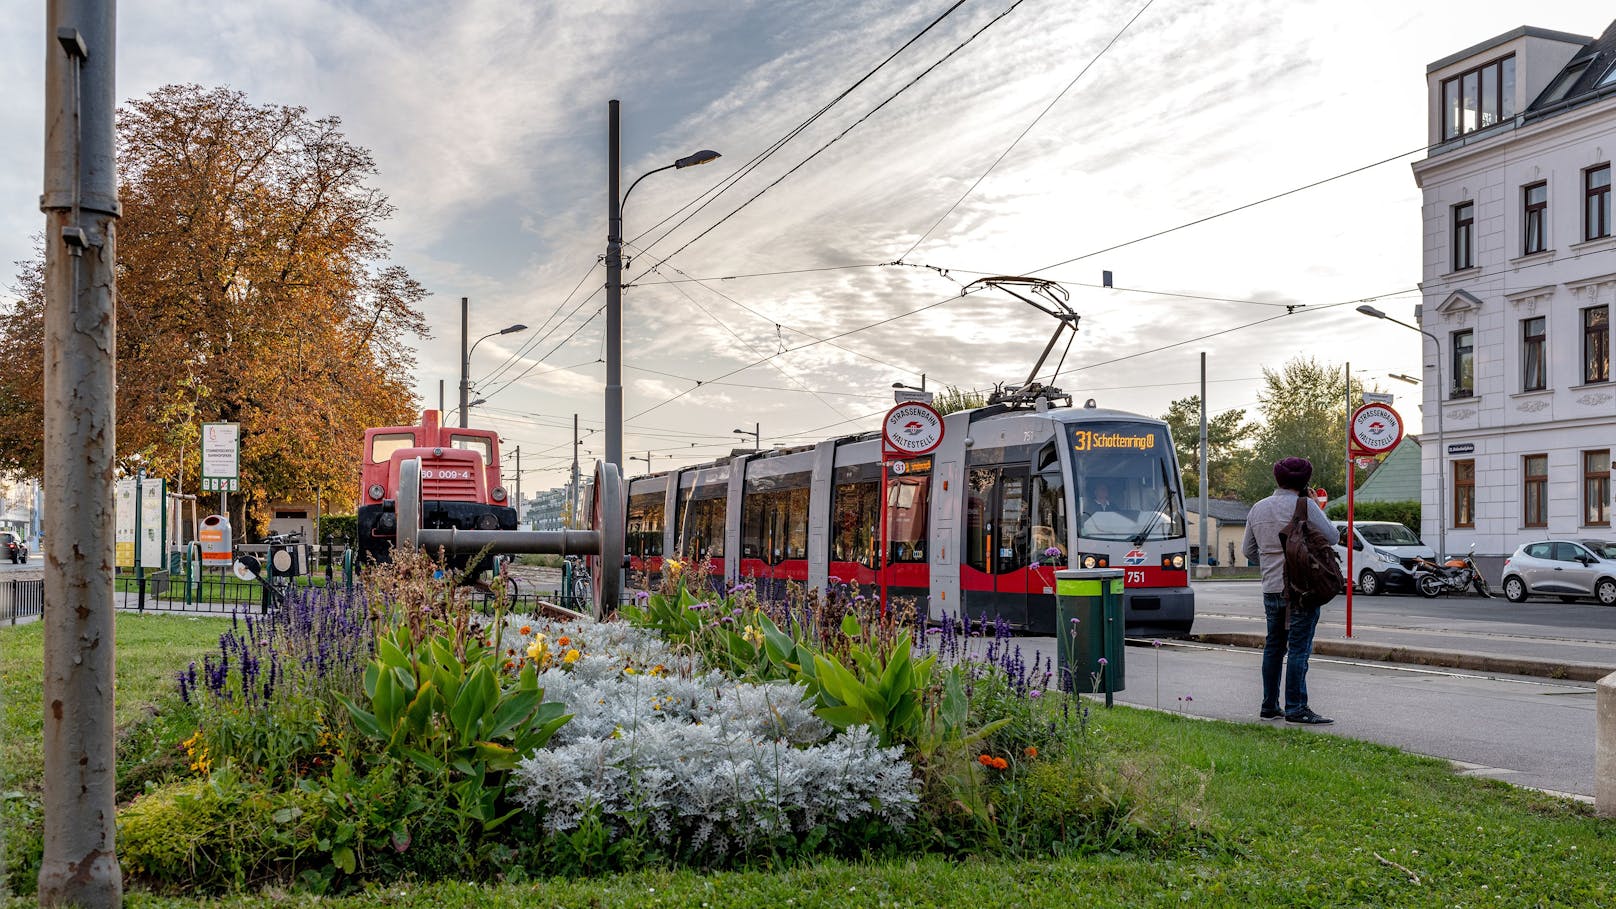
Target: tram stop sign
1374 429
911 429
1322 496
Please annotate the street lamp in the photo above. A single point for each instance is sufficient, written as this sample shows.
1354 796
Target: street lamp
465 358
1402 378
614 280
756 432
1441 445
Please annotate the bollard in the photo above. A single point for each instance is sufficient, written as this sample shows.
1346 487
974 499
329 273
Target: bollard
1089 627
1605 748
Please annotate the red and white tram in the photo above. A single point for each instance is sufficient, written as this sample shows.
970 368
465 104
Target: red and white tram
978 526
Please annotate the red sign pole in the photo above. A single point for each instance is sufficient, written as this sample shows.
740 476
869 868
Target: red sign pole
1352 539
886 547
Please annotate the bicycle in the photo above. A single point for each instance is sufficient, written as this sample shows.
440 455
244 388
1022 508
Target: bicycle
578 586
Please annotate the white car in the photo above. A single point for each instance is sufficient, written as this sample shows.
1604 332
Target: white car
1383 555
1562 568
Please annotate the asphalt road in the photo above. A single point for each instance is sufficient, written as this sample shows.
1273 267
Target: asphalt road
1528 730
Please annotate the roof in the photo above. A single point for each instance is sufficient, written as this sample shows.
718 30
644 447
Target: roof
1524 31
1224 511
1591 66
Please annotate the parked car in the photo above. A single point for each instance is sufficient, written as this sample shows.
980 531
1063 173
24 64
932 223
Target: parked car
13 547
1567 569
1383 555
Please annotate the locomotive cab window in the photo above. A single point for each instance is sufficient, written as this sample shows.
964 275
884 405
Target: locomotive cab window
383 444
479 444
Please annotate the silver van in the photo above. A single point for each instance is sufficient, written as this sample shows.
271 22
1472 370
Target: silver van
1383 555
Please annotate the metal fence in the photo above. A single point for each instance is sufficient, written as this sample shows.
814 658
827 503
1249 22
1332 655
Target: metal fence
21 600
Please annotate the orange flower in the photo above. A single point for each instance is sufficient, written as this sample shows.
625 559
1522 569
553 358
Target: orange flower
509 665
997 763
1031 751
1000 763
526 630
985 760
563 641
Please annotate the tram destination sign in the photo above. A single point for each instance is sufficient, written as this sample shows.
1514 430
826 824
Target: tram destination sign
912 428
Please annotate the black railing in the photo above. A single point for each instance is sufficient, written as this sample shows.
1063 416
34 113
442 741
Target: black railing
21 600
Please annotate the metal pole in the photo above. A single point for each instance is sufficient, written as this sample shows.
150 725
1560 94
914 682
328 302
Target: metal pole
1204 459
465 364
80 202
1346 431
518 485
140 562
572 494
440 397
614 297
1441 458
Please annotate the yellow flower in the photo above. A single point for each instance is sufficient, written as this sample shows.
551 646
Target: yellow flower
539 650
659 670
673 565
753 636
630 670
571 657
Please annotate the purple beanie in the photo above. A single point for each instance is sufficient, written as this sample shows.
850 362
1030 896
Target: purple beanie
1293 473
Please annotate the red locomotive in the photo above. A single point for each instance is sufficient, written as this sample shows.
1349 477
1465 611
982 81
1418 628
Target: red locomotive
460 482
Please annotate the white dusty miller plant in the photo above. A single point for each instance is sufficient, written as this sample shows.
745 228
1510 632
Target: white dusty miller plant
701 762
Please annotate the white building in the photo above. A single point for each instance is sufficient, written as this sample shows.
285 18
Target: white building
1518 284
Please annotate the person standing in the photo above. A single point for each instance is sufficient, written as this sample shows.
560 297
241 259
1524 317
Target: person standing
1289 643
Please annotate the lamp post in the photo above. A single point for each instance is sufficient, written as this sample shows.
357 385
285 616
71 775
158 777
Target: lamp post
756 432
465 358
1441 445
614 280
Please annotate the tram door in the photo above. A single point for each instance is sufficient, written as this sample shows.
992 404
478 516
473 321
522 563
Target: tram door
998 542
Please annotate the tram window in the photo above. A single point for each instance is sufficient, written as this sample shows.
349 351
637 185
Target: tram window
382 445
645 525
908 505
856 530
979 520
1012 543
479 444
1049 517
774 523
705 538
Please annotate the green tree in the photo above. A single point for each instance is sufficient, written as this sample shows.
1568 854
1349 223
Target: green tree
253 287
952 399
1228 437
1304 414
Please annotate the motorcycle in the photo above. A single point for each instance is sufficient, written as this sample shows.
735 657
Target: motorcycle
1456 575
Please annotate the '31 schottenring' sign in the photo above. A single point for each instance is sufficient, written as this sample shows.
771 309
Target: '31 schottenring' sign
912 428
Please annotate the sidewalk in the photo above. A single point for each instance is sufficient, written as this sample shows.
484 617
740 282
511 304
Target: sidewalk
1577 660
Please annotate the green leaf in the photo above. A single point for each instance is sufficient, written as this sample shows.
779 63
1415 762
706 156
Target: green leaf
363 721
473 702
343 857
496 756
419 712
284 815
391 655
851 627
512 712
844 717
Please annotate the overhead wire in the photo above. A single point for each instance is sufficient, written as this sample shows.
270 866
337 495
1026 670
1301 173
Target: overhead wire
1017 140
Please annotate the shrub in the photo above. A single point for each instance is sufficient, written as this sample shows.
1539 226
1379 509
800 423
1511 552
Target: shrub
1405 513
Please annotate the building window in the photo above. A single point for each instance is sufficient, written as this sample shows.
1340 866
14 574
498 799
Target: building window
1464 232
1464 363
1464 493
1534 375
1478 98
1596 202
1535 222
1596 344
1596 488
1535 490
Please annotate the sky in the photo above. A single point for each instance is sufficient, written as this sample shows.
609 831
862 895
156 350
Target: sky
1041 137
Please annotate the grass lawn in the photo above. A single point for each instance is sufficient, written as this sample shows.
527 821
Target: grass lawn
1287 818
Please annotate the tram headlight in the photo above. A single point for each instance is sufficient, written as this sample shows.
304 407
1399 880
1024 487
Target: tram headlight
1089 561
1173 561
1093 560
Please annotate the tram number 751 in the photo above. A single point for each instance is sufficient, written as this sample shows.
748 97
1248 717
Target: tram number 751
1134 577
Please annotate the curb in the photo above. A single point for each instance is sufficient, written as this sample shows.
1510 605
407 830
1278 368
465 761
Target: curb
1476 662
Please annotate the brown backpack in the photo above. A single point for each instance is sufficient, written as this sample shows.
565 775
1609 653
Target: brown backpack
1312 571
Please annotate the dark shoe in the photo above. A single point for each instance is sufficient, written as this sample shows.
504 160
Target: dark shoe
1271 713
1309 718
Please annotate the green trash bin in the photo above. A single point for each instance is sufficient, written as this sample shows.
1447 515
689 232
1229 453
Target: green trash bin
1089 626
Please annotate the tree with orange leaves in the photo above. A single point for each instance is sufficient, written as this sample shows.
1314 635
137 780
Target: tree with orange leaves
253 288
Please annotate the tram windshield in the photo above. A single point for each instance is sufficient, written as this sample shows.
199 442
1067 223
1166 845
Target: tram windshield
1127 482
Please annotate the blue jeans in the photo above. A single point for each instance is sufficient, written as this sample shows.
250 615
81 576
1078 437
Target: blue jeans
1289 647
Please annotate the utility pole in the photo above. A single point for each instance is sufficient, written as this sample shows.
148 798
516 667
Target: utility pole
440 397
80 202
465 364
614 297
1204 460
518 453
572 494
